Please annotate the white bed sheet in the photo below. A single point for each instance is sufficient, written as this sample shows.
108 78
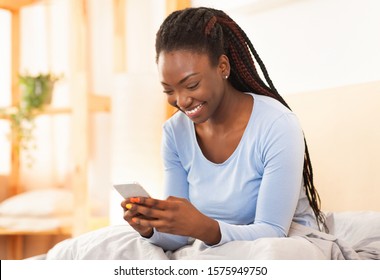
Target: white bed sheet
354 235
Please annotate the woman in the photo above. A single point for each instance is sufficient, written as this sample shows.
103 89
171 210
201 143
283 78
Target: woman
237 170
236 163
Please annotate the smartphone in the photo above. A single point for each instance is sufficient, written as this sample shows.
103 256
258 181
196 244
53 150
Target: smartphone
133 189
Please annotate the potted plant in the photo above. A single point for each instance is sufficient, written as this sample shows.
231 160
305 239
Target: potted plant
35 94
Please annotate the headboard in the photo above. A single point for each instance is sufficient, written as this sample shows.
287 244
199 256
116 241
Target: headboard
342 129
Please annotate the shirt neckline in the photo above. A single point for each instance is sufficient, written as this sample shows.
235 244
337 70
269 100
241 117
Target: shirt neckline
238 147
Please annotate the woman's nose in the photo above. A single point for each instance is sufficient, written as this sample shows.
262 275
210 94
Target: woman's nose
183 101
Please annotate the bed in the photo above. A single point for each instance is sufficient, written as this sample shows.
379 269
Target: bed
354 236
350 191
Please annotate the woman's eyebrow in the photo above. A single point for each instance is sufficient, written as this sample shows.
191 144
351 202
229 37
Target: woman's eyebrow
184 79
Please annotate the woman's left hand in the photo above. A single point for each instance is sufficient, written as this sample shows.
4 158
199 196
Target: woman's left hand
176 216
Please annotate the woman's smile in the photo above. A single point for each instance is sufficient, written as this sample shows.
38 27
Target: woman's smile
195 111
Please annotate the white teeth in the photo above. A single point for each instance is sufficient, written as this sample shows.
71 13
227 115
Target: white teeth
196 109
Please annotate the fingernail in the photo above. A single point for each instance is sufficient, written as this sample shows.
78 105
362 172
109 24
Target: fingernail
128 206
135 220
135 200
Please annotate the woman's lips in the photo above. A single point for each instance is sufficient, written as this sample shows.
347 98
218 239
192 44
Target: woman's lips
193 112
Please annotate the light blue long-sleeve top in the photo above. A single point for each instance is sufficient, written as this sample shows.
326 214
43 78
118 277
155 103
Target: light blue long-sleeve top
257 192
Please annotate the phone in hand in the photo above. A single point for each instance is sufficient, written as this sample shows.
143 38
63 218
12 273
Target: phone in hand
133 189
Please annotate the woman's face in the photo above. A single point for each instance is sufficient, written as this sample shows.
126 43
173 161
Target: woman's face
192 84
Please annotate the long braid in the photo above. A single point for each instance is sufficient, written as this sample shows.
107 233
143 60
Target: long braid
215 33
252 79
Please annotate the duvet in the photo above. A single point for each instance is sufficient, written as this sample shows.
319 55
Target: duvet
353 236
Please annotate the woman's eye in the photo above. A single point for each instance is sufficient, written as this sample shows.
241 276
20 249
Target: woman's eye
168 91
193 86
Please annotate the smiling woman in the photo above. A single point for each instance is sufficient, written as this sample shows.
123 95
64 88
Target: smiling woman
235 121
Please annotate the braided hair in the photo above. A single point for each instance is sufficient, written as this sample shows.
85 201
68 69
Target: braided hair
213 32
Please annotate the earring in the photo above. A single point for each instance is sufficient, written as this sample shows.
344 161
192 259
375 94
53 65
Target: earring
226 77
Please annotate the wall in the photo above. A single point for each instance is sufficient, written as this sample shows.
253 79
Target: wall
314 44
342 129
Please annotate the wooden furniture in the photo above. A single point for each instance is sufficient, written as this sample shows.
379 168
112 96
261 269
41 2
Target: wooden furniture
15 242
82 105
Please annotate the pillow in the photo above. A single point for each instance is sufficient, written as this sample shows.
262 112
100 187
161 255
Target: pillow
354 226
46 202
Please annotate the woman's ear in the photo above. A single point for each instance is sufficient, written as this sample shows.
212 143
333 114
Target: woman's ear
224 67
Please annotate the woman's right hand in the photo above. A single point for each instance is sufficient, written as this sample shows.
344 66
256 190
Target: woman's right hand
129 214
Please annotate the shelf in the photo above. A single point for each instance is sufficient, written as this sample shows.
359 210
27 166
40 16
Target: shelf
15 5
5 112
57 231
15 239
98 103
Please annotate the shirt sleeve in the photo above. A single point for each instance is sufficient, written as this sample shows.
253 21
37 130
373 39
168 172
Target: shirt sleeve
175 184
283 156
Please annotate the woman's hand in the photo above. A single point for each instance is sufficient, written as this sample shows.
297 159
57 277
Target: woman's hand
173 215
130 215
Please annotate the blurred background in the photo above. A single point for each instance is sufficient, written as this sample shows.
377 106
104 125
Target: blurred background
103 125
